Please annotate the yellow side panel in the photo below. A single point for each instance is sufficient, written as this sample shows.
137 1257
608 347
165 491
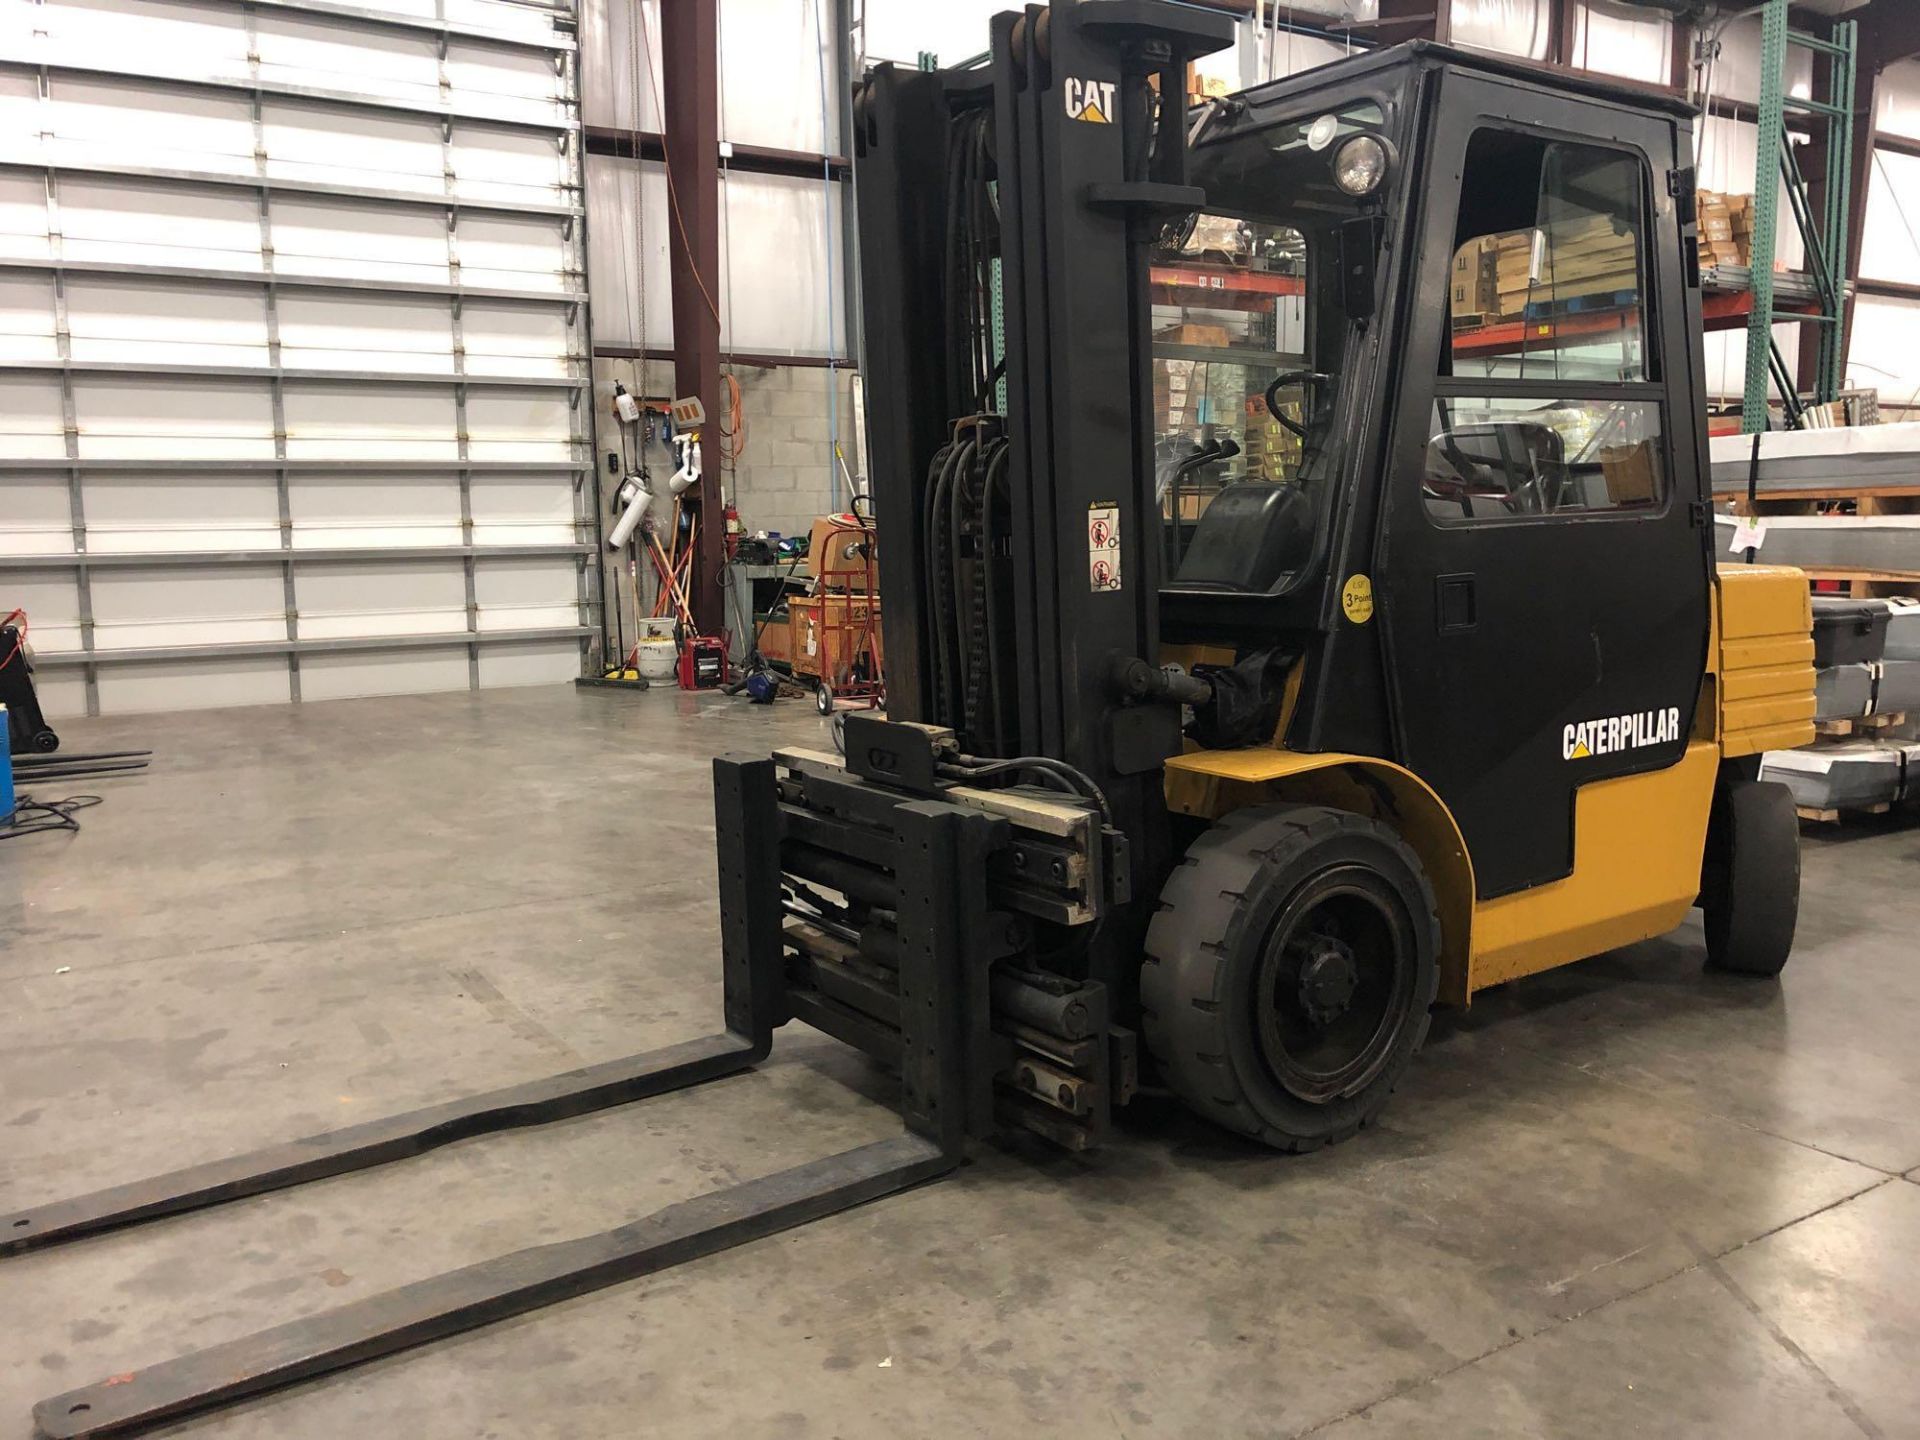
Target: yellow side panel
1637 844
1213 783
1764 656
1256 764
1762 600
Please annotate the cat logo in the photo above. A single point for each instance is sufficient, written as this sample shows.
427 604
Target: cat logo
1089 100
1619 732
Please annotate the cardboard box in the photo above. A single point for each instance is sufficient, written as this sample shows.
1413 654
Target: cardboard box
1475 287
1209 335
1217 235
776 636
1631 473
838 549
1726 228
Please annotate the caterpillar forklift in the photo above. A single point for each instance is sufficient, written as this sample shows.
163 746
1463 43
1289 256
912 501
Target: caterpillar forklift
1301 612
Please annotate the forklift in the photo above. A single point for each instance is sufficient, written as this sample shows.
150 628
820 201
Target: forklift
1235 724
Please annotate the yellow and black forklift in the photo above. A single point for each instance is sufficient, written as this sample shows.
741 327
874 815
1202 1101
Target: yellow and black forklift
1300 609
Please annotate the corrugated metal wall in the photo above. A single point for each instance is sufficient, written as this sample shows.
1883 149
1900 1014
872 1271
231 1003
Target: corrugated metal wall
781 288
1882 351
293 342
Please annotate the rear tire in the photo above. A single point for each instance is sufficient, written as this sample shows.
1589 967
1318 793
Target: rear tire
1290 972
1750 896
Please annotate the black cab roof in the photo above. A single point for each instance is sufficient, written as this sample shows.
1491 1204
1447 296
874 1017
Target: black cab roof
1426 54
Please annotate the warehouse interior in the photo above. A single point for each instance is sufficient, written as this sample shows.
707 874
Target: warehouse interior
517 517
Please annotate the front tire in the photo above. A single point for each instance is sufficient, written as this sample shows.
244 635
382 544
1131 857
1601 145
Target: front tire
1290 972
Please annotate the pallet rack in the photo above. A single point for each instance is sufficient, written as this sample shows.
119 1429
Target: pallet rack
1776 172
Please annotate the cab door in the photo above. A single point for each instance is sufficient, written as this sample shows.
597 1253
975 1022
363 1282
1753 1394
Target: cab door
1542 569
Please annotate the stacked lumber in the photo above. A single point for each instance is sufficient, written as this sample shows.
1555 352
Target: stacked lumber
1579 259
1523 272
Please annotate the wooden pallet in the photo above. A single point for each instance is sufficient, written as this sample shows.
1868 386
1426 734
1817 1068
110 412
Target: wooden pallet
1860 724
1580 304
1868 584
1868 500
1834 817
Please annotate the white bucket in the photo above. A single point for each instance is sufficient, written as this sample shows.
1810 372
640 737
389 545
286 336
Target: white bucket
657 659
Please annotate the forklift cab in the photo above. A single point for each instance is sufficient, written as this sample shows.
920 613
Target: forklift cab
1440 312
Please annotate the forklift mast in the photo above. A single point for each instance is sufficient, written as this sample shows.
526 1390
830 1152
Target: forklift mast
1005 217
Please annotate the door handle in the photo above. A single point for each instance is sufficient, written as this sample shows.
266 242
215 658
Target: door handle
1456 603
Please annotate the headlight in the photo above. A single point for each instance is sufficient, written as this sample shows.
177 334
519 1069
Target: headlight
1360 165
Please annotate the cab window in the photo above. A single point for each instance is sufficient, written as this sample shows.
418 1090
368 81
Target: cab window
1249 351
1547 296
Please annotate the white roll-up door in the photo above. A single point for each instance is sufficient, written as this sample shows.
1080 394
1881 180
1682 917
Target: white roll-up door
293 348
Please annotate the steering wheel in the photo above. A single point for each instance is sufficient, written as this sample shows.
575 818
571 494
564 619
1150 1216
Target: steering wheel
1280 382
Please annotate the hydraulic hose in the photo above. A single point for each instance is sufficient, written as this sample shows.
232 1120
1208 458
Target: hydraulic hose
929 528
973 767
987 589
940 588
957 499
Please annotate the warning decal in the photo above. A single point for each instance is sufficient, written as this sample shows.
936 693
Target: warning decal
1103 547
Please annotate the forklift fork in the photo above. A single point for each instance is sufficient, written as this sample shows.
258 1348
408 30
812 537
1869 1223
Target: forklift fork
939 853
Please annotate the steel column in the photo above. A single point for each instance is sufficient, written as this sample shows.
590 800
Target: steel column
1871 58
1823 228
690 97
1766 212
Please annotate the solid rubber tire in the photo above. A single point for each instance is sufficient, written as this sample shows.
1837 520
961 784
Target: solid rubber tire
1751 908
1203 951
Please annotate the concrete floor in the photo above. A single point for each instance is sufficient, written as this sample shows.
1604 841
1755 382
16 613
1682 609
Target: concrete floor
1630 1198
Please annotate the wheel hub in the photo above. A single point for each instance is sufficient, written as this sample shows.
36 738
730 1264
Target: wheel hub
1328 978
1334 988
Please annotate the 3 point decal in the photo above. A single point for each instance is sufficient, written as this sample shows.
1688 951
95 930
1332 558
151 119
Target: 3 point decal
1356 599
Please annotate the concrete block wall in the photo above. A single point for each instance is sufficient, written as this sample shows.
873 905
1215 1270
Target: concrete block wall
783 478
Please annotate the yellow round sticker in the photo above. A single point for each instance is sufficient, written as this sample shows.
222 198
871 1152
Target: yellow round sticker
1356 599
